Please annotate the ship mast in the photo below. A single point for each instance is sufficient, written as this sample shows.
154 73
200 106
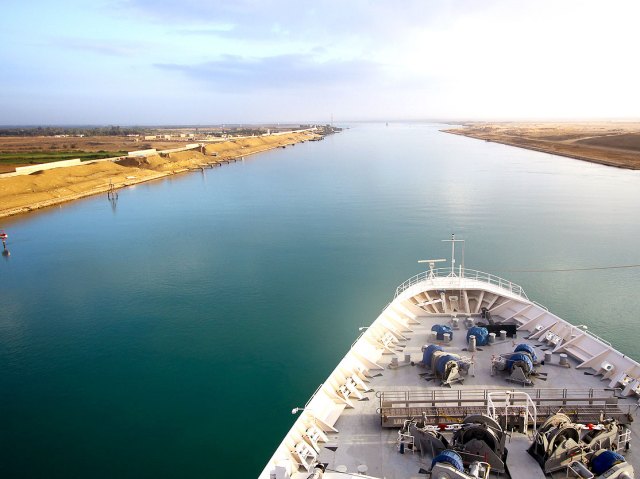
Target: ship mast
453 241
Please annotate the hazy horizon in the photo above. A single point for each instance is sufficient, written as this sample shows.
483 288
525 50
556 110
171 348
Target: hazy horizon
342 122
169 62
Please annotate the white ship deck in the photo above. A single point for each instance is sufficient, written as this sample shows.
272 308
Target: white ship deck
355 443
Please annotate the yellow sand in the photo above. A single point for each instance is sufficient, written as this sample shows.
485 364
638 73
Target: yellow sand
20 194
608 143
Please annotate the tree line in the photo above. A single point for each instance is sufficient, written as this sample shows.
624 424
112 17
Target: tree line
72 131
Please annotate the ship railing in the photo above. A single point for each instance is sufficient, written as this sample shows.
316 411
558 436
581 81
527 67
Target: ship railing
364 330
501 403
540 305
460 274
436 406
313 395
461 395
561 396
598 337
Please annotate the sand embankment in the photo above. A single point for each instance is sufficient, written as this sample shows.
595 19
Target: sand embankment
21 194
608 143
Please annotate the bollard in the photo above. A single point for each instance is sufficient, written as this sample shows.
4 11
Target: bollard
472 344
407 357
492 338
394 362
447 337
503 334
563 360
547 357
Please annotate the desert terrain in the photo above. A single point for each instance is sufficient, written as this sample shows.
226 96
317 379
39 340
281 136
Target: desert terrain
608 143
21 151
20 194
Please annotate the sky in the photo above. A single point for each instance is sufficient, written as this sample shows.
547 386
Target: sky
153 62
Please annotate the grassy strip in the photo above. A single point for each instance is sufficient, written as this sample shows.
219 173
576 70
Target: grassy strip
38 157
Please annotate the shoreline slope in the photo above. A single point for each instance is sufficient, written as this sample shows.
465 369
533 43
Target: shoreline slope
22 194
611 143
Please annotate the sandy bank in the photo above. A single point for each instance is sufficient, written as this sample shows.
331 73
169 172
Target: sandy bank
21 194
607 143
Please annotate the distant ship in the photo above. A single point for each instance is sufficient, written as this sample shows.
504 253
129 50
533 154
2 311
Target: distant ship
462 376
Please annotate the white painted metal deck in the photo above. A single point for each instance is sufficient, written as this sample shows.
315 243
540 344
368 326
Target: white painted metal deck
355 443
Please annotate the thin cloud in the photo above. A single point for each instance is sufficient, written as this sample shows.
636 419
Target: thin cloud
234 73
215 30
268 19
101 47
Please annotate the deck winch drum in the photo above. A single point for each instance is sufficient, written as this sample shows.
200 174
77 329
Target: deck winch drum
427 354
450 457
526 348
604 461
522 359
441 365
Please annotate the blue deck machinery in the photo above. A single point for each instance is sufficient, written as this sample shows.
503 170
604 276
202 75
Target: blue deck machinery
448 367
521 365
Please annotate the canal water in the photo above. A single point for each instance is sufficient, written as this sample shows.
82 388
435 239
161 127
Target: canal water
171 333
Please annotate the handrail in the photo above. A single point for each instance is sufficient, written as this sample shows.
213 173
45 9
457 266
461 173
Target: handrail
583 329
602 340
481 395
508 401
540 305
313 395
359 336
463 274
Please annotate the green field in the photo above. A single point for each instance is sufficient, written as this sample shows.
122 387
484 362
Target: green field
37 157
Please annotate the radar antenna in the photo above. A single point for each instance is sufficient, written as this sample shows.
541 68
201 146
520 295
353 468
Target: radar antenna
432 264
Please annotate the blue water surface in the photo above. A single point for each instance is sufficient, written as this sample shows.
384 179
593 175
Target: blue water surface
171 334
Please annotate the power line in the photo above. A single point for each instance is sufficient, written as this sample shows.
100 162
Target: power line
593 268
